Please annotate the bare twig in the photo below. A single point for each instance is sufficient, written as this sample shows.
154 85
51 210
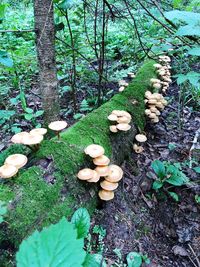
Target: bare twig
196 257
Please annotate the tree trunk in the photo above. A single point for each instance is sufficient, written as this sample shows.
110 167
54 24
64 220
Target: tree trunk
45 42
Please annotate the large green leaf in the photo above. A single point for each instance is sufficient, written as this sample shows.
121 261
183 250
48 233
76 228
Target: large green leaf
177 177
176 16
5 60
195 51
81 221
134 259
94 260
159 168
56 246
188 30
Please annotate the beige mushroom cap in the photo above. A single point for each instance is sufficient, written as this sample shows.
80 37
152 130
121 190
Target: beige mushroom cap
112 117
152 115
95 178
158 66
123 119
108 185
148 94
94 151
141 138
102 170
153 80
106 195
121 88
8 171
152 101
115 174
157 85
101 161
147 111
122 83
126 114
113 128
155 120
40 131
17 138
85 174
17 160
123 127
138 149
32 139
57 126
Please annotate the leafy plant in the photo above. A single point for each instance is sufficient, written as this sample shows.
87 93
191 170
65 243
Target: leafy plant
3 210
168 173
135 259
60 245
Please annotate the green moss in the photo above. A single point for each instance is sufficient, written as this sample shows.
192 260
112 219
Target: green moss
36 203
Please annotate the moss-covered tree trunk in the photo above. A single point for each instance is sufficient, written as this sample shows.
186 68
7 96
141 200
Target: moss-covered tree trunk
48 188
45 42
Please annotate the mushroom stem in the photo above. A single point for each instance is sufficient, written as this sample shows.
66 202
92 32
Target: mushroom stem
58 135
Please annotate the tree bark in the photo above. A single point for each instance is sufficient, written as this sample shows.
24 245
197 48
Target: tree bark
45 42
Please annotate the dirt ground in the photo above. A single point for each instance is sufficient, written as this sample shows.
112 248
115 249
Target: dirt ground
139 219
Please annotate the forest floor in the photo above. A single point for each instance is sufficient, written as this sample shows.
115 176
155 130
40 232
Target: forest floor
139 219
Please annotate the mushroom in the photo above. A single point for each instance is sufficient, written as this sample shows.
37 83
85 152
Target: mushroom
85 174
106 195
123 127
32 140
101 161
113 128
148 94
123 83
157 86
95 178
108 185
123 119
138 149
57 126
152 115
121 88
94 151
102 170
8 171
112 117
147 112
115 174
160 106
158 66
40 131
17 160
155 120
17 138
131 75
141 138
155 110
152 101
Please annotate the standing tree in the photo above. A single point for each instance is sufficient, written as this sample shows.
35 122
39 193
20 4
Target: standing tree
45 42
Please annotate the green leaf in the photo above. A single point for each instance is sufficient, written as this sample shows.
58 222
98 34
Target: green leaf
55 246
195 51
39 113
185 16
177 177
159 168
188 30
196 169
78 116
157 185
134 259
28 117
6 114
5 60
197 199
81 221
3 210
94 260
174 196
29 110
181 78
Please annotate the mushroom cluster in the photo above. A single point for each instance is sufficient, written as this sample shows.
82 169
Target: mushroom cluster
164 72
112 173
122 85
154 102
12 164
120 120
137 147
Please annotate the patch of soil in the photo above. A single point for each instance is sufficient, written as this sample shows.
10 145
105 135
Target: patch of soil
139 219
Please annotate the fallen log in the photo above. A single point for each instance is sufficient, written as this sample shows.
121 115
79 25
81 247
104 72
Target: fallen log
47 188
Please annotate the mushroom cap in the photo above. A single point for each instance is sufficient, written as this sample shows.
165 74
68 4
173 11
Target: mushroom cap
32 139
17 160
17 138
8 171
112 117
155 110
102 170
152 101
123 127
57 126
152 115
94 151
160 106
40 131
122 83
106 195
108 185
157 96
95 178
147 111
113 128
85 174
148 94
123 119
153 80
155 120
158 66
126 114
164 102
138 149
141 138
121 88
101 161
115 174
157 85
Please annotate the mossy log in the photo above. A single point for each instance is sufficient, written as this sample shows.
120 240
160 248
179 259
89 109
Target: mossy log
33 202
